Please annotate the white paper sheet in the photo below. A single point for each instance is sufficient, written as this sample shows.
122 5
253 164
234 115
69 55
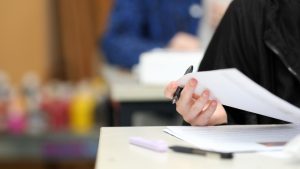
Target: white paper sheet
237 138
234 89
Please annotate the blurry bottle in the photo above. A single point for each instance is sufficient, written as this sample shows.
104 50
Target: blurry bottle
82 109
16 115
4 100
100 92
36 123
56 104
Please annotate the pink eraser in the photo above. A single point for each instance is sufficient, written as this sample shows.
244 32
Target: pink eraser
155 145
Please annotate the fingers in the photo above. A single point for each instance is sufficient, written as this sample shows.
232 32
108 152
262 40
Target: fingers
186 98
196 110
170 89
204 117
219 116
197 107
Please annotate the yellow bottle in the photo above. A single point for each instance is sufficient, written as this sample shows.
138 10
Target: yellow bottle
82 111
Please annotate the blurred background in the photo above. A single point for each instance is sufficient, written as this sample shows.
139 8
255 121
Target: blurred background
57 88
50 88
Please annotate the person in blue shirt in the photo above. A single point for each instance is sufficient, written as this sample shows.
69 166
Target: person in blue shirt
136 26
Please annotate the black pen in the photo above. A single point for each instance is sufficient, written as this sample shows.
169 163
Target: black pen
190 150
179 89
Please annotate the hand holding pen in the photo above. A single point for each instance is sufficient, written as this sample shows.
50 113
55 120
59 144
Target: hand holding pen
179 89
197 110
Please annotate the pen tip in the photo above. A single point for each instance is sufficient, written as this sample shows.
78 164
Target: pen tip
174 100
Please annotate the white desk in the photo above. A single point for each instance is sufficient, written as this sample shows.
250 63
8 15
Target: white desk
115 152
125 86
127 96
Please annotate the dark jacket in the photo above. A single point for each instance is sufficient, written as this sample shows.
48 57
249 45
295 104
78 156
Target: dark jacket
136 26
261 38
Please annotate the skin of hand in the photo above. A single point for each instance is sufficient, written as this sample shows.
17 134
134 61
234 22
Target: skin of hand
184 42
197 110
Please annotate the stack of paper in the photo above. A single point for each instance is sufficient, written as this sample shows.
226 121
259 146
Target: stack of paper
159 67
244 138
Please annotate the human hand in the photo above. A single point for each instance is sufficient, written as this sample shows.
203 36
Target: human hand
184 42
195 109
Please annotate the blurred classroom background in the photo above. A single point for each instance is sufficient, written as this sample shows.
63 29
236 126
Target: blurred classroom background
56 89
51 93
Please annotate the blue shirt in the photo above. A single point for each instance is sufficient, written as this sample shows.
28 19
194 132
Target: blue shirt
136 26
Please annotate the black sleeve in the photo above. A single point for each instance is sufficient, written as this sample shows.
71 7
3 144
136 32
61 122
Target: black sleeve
238 43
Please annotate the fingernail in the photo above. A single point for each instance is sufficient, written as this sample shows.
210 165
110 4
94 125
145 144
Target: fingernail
193 82
205 93
214 103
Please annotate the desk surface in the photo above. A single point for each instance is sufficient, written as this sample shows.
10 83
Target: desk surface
115 152
125 86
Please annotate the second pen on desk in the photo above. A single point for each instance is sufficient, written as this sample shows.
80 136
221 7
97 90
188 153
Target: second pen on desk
179 89
190 150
